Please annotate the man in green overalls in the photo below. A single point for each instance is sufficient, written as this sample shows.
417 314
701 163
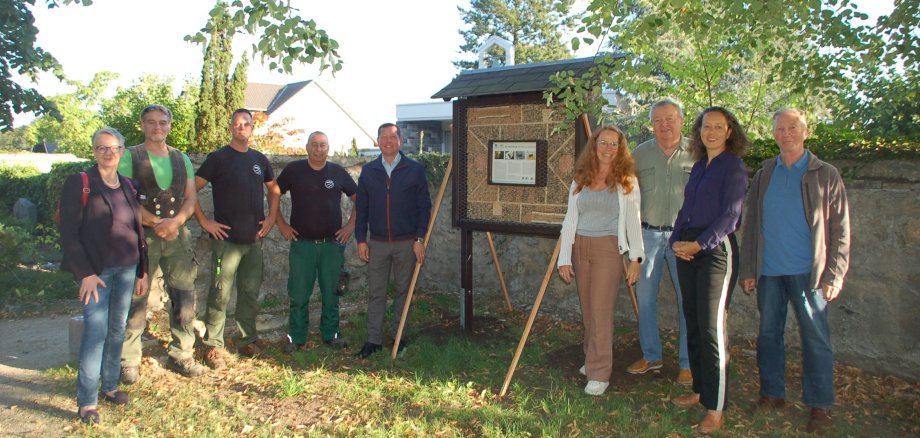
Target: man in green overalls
167 188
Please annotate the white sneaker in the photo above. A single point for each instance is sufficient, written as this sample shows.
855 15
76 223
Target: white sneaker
583 371
596 388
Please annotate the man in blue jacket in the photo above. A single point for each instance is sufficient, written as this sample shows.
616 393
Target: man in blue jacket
393 202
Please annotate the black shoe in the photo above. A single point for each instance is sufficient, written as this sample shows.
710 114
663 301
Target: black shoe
291 347
90 417
117 398
337 343
402 347
368 349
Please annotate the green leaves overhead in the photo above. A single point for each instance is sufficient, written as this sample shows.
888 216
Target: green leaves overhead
285 38
748 56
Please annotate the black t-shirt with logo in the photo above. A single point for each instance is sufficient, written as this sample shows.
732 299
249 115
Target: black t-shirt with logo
238 184
316 197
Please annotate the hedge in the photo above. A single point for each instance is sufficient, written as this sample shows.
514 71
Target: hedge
43 189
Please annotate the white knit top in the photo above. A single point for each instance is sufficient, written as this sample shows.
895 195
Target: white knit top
629 224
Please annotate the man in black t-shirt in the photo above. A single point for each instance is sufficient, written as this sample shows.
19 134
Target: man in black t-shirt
238 177
317 238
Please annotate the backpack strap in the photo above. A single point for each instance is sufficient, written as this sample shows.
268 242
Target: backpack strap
85 197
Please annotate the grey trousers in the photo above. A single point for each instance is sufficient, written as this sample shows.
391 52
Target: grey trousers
383 256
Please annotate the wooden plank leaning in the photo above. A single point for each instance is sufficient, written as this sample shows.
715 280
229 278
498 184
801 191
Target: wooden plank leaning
498 270
418 266
550 269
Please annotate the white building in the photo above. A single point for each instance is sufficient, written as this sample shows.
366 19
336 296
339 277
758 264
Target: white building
291 112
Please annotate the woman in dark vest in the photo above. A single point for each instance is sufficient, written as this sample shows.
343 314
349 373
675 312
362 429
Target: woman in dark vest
104 249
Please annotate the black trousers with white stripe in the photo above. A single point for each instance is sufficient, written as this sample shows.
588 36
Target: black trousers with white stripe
706 284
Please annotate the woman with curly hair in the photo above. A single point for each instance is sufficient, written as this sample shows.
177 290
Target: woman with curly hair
601 222
704 243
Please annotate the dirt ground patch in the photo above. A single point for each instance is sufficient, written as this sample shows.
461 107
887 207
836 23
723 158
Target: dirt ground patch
31 404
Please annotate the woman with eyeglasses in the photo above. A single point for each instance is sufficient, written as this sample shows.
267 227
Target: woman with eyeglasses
707 255
601 223
104 249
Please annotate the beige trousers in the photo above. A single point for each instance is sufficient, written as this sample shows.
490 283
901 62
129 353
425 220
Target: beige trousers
598 269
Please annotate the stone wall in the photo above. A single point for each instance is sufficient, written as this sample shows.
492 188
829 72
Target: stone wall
874 323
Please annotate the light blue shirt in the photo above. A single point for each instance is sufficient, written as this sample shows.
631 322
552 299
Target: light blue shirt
787 237
389 167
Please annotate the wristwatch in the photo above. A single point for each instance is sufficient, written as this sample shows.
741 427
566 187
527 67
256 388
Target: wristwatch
420 240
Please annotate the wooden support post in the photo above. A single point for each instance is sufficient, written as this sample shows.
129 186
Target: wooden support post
498 270
533 315
466 280
418 266
631 289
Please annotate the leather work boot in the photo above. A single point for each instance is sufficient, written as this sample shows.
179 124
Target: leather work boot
216 358
819 421
130 375
186 367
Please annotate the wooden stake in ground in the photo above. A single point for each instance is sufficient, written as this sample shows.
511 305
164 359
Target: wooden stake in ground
631 288
418 266
533 315
498 269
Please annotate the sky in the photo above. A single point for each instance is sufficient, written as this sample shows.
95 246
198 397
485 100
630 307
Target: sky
396 51
393 51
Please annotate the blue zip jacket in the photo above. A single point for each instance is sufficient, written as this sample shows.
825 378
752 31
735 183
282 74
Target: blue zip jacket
395 207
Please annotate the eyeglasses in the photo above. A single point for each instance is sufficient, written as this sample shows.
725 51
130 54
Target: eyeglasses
607 144
108 149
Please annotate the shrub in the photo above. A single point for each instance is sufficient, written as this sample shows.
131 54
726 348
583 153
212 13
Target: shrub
435 164
833 143
19 182
52 184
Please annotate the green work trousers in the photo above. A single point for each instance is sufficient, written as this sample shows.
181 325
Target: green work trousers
176 258
311 262
231 264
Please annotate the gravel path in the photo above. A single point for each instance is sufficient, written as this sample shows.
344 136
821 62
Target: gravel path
29 403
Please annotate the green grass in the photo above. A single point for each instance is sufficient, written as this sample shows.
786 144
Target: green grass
445 384
25 290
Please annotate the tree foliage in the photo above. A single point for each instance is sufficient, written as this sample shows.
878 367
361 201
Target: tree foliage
535 27
19 55
884 96
215 96
123 110
283 40
79 117
238 83
748 56
18 139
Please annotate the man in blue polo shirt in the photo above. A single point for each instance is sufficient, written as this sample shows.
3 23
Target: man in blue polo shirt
796 250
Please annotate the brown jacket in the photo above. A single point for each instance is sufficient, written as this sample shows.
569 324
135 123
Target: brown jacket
825 201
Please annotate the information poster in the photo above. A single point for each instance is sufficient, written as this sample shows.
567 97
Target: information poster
513 162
